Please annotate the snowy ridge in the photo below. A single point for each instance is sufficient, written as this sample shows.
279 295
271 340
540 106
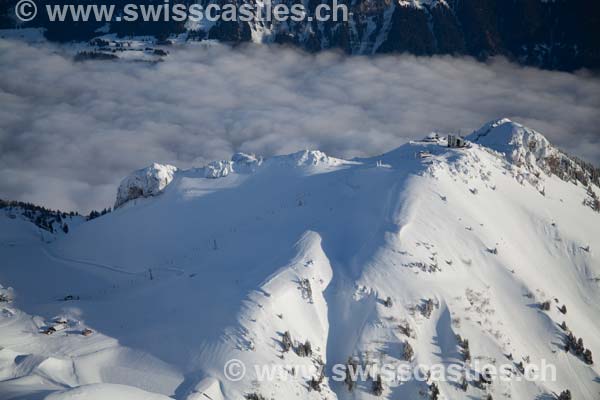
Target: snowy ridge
307 158
306 260
153 180
240 163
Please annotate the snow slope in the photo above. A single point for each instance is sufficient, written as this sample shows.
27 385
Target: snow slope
222 260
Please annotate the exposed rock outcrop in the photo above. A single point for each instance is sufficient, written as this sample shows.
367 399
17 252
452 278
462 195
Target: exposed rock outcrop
145 182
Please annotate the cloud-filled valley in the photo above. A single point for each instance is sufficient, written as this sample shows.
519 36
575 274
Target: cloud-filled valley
69 131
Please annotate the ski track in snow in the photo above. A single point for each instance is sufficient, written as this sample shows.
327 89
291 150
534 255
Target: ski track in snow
111 268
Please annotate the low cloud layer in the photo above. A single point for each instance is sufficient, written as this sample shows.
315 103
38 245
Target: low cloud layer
70 131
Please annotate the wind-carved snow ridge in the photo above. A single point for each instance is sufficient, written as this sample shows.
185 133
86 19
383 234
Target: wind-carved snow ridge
246 163
145 182
307 158
152 180
240 163
218 169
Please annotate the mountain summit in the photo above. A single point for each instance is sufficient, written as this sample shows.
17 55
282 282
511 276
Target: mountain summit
427 255
524 147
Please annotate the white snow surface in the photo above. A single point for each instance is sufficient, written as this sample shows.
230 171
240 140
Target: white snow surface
104 391
206 270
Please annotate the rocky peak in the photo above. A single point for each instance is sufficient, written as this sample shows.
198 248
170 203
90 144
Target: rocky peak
530 151
145 182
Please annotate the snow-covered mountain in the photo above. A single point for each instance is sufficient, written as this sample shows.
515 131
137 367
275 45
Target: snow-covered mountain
426 255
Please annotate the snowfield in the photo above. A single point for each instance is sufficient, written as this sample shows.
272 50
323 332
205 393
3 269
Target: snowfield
252 259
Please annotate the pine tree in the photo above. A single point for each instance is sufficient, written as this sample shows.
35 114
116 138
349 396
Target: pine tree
563 326
464 385
307 348
464 344
579 348
378 386
427 308
565 395
434 391
286 341
405 329
587 357
408 352
563 309
388 302
315 382
520 367
351 370
304 350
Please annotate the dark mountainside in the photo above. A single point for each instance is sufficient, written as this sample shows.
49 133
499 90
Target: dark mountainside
560 34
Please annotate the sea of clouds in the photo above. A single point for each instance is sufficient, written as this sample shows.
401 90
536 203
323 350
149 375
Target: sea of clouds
70 131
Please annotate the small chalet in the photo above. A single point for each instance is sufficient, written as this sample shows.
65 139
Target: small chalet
456 142
55 328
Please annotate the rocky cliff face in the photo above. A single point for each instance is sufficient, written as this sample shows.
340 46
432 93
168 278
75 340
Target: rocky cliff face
559 34
549 34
